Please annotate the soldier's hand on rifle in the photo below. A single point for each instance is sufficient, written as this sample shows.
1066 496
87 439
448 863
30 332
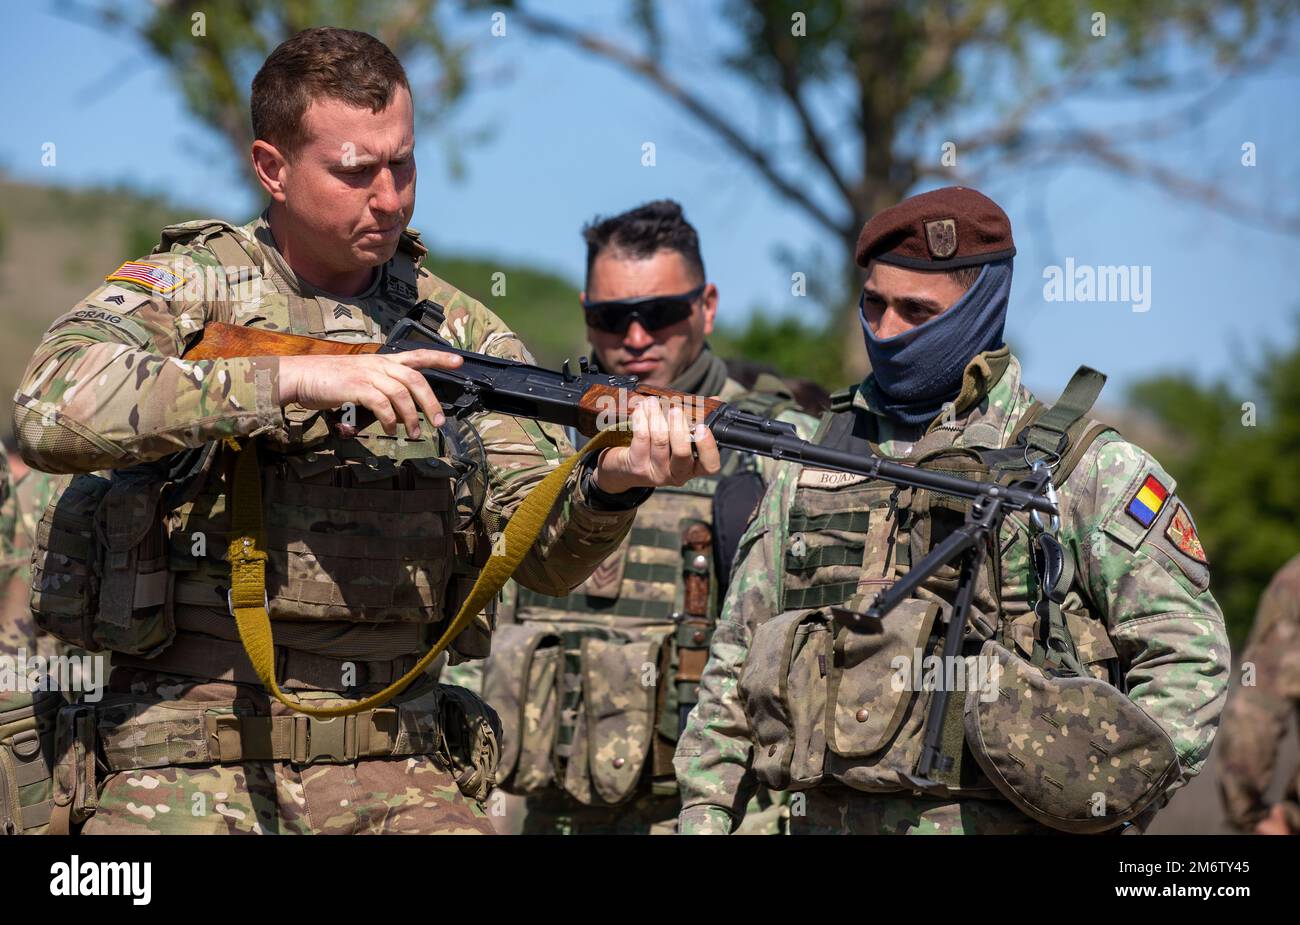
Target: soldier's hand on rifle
390 385
665 450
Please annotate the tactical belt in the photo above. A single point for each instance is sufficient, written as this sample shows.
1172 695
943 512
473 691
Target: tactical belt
230 738
220 660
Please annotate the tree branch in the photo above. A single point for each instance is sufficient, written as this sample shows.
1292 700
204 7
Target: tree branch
706 114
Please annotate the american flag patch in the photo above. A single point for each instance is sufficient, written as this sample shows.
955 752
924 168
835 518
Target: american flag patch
148 275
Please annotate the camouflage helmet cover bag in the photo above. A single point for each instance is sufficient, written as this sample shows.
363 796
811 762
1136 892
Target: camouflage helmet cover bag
1073 753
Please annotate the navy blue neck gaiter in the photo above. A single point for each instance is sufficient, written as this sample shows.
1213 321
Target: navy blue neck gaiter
916 372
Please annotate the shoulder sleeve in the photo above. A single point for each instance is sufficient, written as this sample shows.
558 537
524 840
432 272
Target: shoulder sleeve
714 755
107 388
1144 569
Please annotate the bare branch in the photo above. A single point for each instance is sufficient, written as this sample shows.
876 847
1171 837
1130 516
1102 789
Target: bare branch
709 116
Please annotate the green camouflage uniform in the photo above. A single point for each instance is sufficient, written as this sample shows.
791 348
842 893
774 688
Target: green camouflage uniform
372 543
1255 720
823 538
615 776
26 716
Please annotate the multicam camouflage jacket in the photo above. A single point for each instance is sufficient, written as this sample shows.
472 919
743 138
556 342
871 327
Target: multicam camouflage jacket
1255 719
1140 602
107 389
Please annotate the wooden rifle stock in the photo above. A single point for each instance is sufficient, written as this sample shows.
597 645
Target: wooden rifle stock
227 341
601 406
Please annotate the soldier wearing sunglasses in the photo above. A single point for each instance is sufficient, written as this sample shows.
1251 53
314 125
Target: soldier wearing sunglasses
593 688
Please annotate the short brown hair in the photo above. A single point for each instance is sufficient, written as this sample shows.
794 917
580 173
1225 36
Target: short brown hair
323 62
965 276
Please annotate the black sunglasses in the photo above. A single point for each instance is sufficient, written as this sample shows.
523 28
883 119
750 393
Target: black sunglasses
652 311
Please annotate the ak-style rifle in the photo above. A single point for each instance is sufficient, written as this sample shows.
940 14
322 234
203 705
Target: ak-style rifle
590 401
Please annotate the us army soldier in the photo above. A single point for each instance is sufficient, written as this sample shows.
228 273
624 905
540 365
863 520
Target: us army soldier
792 698
369 550
608 672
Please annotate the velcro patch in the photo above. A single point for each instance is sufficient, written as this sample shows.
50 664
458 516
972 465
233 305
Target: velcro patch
826 478
118 299
149 275
1145 505
1182 533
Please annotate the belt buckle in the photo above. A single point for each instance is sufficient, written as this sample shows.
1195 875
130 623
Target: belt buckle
230 602
318 739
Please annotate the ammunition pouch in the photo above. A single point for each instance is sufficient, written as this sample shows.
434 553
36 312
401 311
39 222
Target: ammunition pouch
827 703
26 764
1075 754
578 709
521 681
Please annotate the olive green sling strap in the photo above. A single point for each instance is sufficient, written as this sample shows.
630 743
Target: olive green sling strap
248 602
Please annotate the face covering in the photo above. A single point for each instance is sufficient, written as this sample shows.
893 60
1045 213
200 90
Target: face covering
916 372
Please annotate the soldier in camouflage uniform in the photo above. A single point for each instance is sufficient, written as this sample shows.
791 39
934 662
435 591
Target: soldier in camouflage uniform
372 538
592 686
26 716
1255 720
791 698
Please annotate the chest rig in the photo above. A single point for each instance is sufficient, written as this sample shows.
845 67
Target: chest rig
654 601
825 702
373 530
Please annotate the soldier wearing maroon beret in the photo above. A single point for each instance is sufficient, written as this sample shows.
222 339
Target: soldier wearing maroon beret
791 700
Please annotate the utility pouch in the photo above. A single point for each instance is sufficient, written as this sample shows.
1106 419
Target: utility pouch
872 680
66 563
783 690
471 740
520 681
76 779
619 700
135 607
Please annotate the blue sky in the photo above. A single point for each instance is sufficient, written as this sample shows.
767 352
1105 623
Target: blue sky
567 136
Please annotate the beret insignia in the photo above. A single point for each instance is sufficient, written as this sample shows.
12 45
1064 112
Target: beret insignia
941 237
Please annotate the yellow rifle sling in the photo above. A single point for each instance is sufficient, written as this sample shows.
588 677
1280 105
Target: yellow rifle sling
248 568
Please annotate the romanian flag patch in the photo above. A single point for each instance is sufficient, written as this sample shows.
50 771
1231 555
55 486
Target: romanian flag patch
1148 501
148 275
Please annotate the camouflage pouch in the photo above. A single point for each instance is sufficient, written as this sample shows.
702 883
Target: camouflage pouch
471 740
619 687
76 783
869 697
26 755
1072 753
520 682
783 690
65 563
135 612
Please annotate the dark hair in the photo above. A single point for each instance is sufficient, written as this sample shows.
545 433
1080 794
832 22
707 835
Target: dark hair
644 231
339 64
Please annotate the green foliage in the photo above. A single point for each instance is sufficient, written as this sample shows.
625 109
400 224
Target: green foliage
542 308
793 347
1241 482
